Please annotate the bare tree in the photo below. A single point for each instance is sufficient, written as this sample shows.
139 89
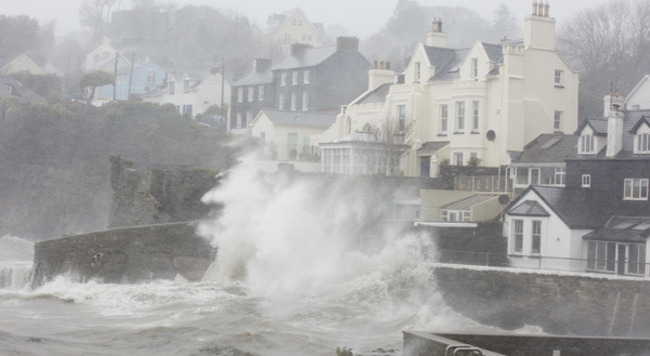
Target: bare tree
96 15
396 134
610 45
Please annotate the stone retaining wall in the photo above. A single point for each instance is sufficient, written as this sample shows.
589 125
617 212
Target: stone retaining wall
125 255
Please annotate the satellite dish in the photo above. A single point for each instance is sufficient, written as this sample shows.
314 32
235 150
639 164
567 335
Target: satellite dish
504 199
490 135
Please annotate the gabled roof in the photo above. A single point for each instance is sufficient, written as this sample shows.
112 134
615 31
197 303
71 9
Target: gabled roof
468 202
447 61
549 148
493 51
296 118
582 208
312 56
598 126
17 89
529 208
643 120
378 95
622 229
256 78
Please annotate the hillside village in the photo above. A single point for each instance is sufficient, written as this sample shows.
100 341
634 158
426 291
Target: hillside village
499 121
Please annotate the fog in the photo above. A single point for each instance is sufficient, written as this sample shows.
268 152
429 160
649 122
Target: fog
359 17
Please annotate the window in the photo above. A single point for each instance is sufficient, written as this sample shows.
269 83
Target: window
417 71
287 38
151 77
444 114
171 88
460 116
475 107
455 215
187 110
249 118
642 143
586 144
260 93
283 79
305 77
560 176
294 78
559 78
458 158
292 145
281 101
586 180
537 237
239 120
250 94
557 121
636 189
518 235
240 95
474 68
401 117
186 85
601 256
305 101
294 100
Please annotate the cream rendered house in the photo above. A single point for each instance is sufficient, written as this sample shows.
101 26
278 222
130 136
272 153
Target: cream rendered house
294 27
22 64
482 103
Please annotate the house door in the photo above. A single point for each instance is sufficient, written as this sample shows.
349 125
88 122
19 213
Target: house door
425 166
621 260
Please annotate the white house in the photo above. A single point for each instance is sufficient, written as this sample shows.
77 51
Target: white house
192 94
294 27
288 134
482 103
22 64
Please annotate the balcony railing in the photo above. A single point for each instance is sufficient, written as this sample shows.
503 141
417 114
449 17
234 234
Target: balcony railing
543 263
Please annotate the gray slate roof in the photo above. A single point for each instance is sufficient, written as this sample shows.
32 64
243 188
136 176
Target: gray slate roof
296 118
447 60
549 148
582 208
529 208
468 202
256 78
375 96
622 229
312 56
431 147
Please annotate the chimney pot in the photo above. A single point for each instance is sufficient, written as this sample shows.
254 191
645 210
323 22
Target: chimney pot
546 9
534 7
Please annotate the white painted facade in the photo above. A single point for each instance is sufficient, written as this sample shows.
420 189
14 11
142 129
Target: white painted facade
21 64
294 27
558 241
192 97
639 97
530 91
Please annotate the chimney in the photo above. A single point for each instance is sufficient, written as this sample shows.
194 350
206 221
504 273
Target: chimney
380 75
347 43
299 49
435 37
261 65
615 125
539 28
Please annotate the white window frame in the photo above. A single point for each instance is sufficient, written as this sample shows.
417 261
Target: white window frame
283 79
557 120
240 95
458 159
518 236
251 93
635 189
151 77
444 118
305 101
260 93
294 78
401 117
586 180
536 237
294 101
587 144
460 117
418 73
281 101
474 68
475 115
558 79
559 178
642 143
305 77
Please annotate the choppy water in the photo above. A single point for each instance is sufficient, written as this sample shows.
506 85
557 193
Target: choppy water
366 313
293 276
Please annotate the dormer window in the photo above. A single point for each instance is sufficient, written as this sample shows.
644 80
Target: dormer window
418 74
642 143
587 145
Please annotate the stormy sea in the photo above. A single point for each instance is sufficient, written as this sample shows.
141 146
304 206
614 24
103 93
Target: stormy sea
293 276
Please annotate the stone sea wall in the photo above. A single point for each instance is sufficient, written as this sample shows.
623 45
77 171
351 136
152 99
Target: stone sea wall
125 255
560 304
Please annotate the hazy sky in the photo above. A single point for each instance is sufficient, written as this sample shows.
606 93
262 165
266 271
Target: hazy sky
360 17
